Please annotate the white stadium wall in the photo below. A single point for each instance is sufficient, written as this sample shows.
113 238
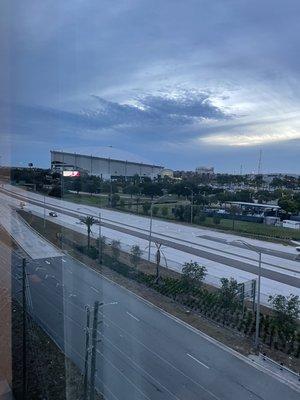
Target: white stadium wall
104 167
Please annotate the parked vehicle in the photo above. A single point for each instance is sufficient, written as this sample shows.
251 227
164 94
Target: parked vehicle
52 214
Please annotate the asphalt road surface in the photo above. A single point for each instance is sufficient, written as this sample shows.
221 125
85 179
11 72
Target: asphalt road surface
278 265
143 353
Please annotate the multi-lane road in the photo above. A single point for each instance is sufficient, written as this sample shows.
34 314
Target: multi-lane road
219 252
144 353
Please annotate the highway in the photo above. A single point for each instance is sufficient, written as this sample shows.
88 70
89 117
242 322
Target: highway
215 250
144 353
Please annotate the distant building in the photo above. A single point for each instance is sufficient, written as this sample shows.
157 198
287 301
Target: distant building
291 224
106 168
205 171
167 173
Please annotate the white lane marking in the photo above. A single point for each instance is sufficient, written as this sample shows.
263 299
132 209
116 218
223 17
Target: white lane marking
199 362
110 304
95 290
142 369
124 376
132 316
161 358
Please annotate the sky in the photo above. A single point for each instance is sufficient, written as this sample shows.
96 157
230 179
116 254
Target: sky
171 82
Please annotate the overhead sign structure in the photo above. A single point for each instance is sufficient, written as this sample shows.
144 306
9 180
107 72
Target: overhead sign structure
71 174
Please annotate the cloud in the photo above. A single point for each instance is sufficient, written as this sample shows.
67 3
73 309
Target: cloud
208 74
249 140
164 109
144 113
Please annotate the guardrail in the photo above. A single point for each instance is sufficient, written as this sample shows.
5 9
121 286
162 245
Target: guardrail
280 366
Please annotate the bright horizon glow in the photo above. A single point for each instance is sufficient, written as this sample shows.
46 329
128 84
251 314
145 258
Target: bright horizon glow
249 140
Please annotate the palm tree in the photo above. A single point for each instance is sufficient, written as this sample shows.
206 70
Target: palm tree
89 221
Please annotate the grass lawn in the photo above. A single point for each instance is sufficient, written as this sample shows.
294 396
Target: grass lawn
254 228
95 201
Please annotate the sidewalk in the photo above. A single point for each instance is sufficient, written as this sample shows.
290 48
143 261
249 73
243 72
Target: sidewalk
32 243
281 372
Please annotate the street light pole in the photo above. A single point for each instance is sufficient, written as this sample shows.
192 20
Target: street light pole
44 214
192 205
151 220
100 240
86 359
258 302
150 230
258 251
192 202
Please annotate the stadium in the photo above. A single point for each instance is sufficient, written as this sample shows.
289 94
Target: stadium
105 167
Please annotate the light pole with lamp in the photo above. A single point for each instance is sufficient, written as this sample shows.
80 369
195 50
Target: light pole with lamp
100 249
151 219
192 201
44 222
258 251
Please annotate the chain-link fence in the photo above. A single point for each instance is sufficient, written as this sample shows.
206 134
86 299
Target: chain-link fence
173 265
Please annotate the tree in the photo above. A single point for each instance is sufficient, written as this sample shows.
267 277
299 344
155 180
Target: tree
276 182
116 249
258 180
121 203
164 211
146 207
201 217
228 293
89 221
151 189
193 273
100 245
216 219
55 191
155 210
132 189
77 185
288 205
287 311
243 195
183 213
183 188
178 212
135 255
114 198
90 186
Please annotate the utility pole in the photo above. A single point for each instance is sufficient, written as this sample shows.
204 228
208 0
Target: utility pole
86 360
24 315
94 349
259 167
